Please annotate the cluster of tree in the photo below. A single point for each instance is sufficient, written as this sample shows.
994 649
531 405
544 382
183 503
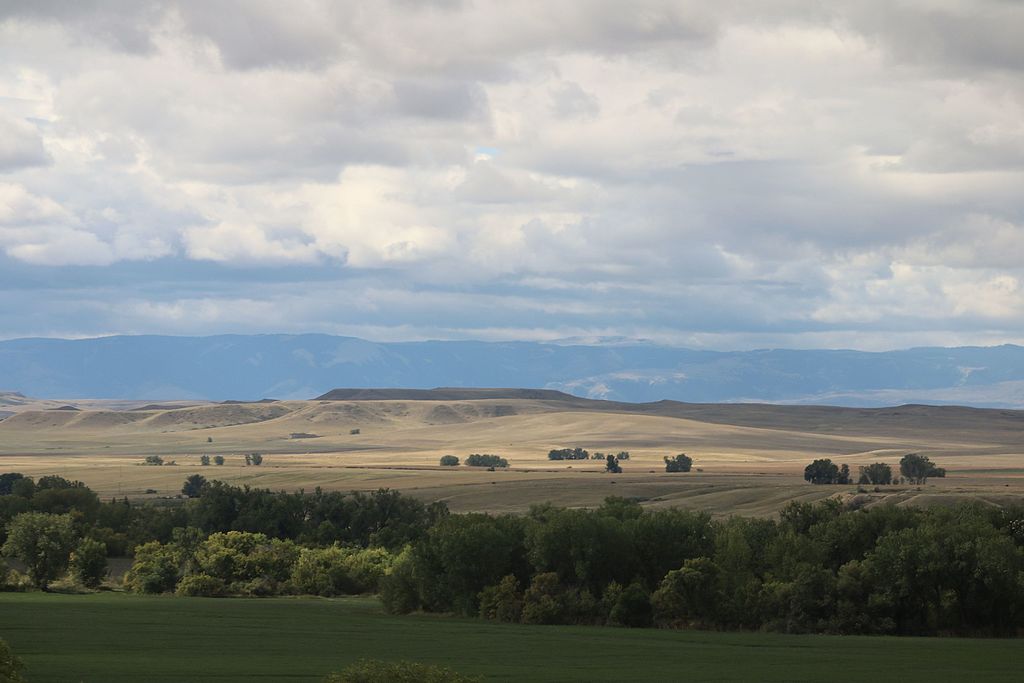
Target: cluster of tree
917 468
877 473
583 454
245 563
157 461
485 460
824 471
64 526
820 568
449 461
914 468
679 463
568 454
52 545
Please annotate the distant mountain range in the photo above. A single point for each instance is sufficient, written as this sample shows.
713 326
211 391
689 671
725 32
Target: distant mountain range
250 367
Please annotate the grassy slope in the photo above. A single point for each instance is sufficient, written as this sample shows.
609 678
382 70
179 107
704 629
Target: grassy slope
130 638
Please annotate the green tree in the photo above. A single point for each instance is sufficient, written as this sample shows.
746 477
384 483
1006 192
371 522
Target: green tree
503 601
218 460
632 608
485 460
679 463
7 481
256 459
43 542
449 461
612 464
10 665
193 486
917 468
89 562
876 473
153 460
204 460
822 471
155 569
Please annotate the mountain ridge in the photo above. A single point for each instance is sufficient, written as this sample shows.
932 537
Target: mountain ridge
250 367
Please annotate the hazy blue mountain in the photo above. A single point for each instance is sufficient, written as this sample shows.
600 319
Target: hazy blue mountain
304 366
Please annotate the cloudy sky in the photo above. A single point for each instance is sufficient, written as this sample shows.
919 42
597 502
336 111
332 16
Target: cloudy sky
728 175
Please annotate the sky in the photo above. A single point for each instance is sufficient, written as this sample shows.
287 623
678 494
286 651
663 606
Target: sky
729 175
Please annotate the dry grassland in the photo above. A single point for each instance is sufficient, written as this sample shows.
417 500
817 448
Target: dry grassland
752 456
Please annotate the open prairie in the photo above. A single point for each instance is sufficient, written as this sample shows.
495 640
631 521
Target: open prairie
748 458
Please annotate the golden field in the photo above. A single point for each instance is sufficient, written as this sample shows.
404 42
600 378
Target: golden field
750 456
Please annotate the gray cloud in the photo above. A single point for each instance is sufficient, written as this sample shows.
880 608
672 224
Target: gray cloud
749 173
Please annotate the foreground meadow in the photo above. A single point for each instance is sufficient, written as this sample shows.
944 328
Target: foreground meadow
111 636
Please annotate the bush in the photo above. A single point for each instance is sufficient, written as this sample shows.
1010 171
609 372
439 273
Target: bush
632 608
485 460
10 666
340 571
201 586
376 671
154 570
502 601
449 461
547 601
89 563
399 592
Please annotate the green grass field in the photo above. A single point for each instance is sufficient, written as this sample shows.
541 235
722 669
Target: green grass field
116 637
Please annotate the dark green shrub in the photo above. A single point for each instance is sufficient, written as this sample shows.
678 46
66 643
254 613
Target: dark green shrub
376 671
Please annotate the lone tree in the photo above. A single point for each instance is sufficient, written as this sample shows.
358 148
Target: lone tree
449 461
875 473
256 459
822 471
43 542
218 460
611 464
204 460
680 463
917 468
193 486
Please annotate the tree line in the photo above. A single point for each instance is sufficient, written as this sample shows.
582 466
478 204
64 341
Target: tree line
824 567
914 468
819 568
